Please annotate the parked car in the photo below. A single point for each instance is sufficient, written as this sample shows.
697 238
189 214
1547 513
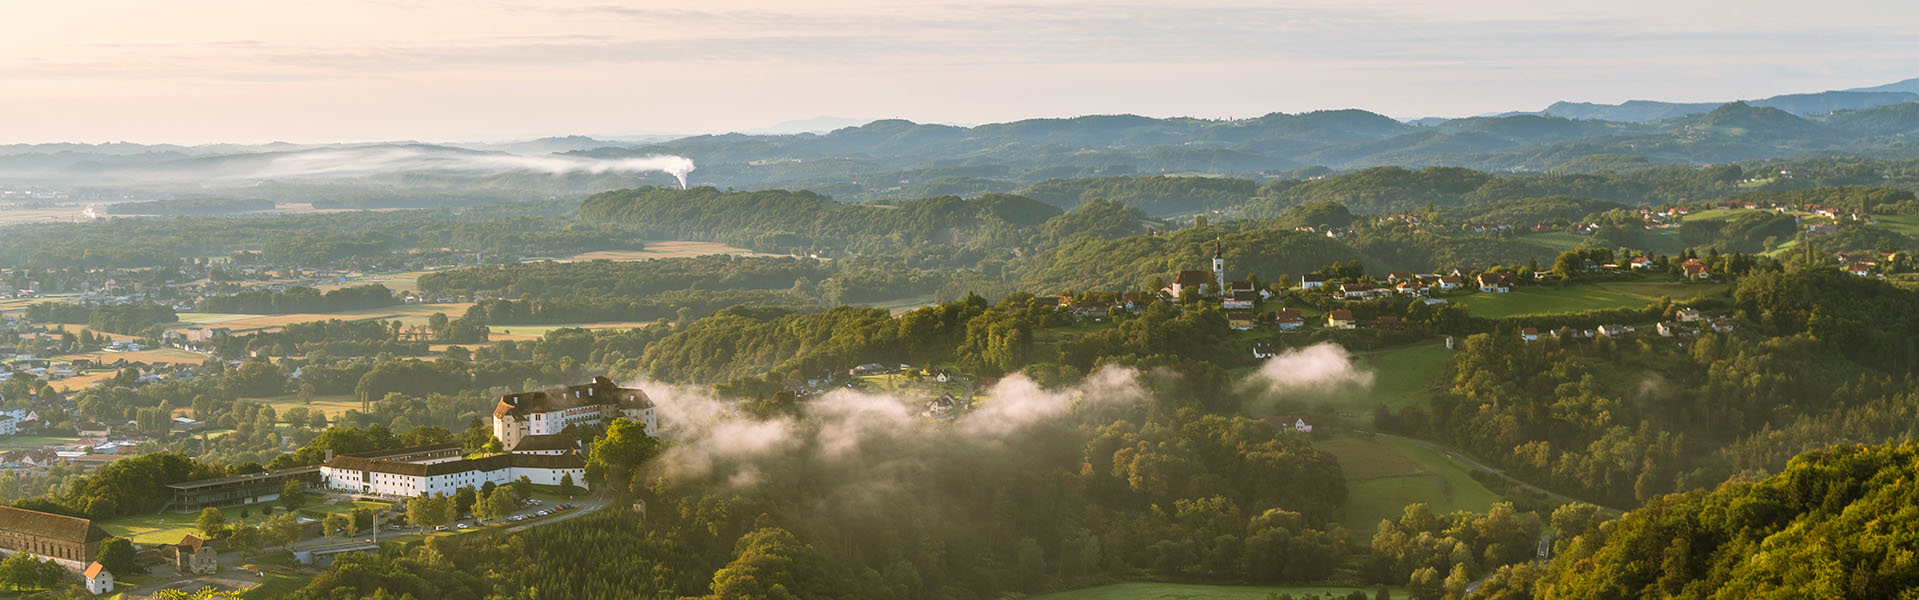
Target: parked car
464 526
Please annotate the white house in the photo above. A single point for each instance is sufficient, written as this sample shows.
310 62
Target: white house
1530 334
99 581
1311 283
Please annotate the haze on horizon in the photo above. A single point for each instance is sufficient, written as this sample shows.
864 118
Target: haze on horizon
200 71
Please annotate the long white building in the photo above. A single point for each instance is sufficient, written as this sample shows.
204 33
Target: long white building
440 469
534 420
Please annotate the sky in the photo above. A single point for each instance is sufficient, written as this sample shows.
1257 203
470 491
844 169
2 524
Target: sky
201 71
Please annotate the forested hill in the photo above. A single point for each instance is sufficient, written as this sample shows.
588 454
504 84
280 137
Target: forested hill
1834 524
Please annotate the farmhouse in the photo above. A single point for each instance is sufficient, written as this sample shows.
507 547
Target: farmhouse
194 555
1530 334
1340 318
1289 319
99 581
69 540
440 469
1309 282
1694 269
525 416
1495 282
1450 282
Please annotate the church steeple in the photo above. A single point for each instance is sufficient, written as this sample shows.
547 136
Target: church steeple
1219 267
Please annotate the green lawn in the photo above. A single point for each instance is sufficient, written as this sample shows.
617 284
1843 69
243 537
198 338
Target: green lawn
1900 224
1400 375
276 585
1716 214
1383 475
1557 240
1186 591
1543 299
24 442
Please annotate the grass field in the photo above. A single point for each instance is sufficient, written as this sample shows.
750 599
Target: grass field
1547 299
25 442
1900 224
1400 375
901 305
664 249
406 281
170 355
276 585
1186 591
1557 240
163 528
1716 214
1383 475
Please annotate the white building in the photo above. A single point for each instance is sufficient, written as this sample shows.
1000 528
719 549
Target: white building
99 581
528 417
440 469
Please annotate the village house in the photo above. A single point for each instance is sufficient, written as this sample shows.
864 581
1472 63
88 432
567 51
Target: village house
1614 331
1239 320
1640 262
1495 283
1688 314
1289 319
1340 318
1450 282
1694 269
1309 282
1388 322
1530 334
1355 291
195 555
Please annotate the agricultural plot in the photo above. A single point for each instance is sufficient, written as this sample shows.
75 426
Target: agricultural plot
666 249
1383 475
1188 591
410 314
167 355
331 404
81 382
1401 375
521 333
1547 299
28 442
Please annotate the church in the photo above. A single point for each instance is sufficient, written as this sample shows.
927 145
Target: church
1202 282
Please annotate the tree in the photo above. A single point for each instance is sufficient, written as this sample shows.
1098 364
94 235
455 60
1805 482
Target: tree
118 555
293 495
498 505
245 539
205 593
523 488
566 484
613 459
1456 582
24 571
282 530
335 524
1425 584
211 522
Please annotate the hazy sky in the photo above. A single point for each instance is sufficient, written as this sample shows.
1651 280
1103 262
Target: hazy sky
192 71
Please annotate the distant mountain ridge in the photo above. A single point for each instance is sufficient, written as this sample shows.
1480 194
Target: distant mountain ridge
1641 111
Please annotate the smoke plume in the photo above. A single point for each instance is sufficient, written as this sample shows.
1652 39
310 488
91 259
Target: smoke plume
376 160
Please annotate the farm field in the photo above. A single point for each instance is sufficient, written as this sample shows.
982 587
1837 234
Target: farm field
406 281
170 355
1900 224
331 404
81 382
1188 591
663 249
521 333
1383 475
900 305
1546 299
1400 375
1557 240
411 314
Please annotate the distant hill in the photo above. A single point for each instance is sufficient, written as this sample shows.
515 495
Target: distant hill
1909 86
1641 111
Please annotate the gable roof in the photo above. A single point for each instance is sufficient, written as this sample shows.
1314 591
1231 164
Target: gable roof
600 392
191 542
95 569
49 525
1193 278
1340 314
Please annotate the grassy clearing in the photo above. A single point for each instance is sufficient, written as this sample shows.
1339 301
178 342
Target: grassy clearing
1383 475
1547 299
81 382
1187 591
901 305
1557 240
1716 214
162 528
1400 375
